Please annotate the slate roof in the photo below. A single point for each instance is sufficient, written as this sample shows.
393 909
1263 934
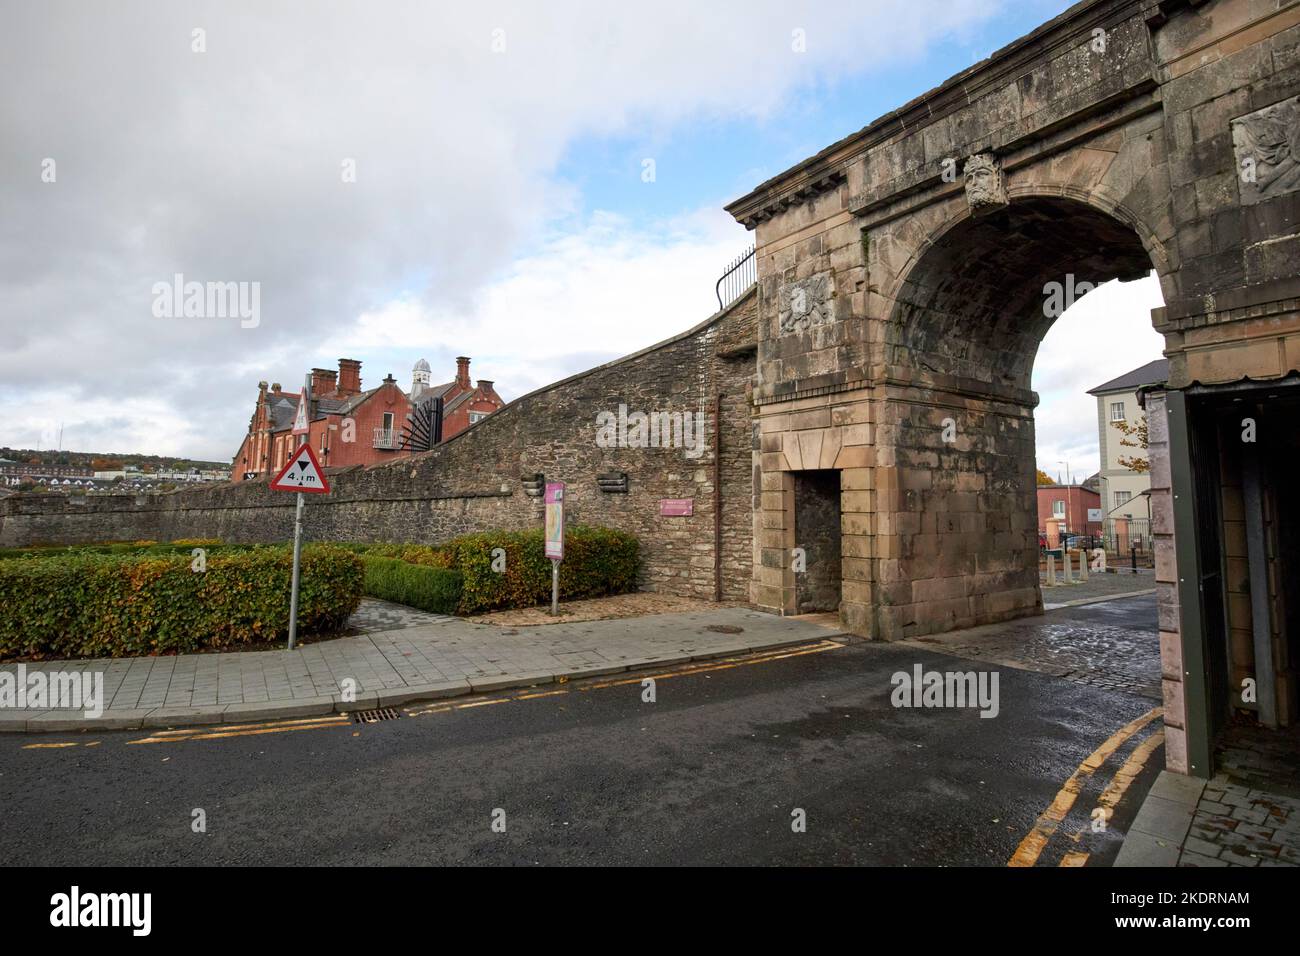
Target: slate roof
283 409
458 401
1149 374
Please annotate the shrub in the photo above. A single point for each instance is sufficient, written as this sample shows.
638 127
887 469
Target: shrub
96 605
415 585
597 561
184 546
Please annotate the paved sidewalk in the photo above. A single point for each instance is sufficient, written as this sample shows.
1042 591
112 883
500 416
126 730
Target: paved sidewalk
1098 587
1248 814
440 657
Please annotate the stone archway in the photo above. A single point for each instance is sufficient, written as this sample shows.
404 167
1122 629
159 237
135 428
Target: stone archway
900 279
954 419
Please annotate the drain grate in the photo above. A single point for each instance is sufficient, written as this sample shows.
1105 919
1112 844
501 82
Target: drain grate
374 716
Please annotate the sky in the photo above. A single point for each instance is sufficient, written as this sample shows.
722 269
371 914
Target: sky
537 186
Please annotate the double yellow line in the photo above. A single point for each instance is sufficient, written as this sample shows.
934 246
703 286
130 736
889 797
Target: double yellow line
220 731
242 730
685 671
1035 841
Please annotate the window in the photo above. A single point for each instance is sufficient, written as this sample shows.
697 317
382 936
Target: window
1122 498
388 423
477 417
1058 509
1117 412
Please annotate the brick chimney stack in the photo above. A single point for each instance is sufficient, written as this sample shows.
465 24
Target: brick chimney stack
322 381
349 377
462 371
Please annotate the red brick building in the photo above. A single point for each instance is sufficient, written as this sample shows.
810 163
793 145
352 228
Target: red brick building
353 426
1069 503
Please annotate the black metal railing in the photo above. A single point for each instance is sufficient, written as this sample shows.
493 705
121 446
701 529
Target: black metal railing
735 282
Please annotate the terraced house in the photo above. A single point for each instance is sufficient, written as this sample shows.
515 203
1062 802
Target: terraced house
350 425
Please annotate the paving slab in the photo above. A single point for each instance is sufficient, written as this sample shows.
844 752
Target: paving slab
425 657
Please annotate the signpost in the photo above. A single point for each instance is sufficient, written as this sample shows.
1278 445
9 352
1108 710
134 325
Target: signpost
303 473
554 501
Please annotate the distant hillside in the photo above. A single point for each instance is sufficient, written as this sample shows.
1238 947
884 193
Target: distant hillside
105 461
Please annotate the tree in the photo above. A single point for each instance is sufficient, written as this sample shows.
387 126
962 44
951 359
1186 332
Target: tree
1044 478
1135 436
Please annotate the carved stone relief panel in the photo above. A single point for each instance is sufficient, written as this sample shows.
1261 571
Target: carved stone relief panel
1267 145
806 303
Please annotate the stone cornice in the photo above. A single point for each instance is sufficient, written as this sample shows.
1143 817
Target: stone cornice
796 193
954 94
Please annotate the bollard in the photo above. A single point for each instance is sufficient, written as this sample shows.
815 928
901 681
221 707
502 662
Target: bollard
1051 571
1083 567
1067 569
1133 557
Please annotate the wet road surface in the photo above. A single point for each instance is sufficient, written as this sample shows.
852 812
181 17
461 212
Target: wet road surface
712 772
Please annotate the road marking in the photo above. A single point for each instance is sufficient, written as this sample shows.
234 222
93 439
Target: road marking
1031 847
242 730
484 703
222 731
1126 774
684 671
207 728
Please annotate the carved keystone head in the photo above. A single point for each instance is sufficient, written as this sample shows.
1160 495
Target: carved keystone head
986 190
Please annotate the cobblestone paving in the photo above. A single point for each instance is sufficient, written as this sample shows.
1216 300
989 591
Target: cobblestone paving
1249 814
374 615
1099 645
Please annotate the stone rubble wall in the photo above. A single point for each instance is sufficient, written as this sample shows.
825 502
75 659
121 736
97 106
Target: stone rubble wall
473 482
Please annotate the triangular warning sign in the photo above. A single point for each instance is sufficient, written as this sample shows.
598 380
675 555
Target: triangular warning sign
300 425
303 473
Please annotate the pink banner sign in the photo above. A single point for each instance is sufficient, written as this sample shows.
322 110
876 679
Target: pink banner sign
554 501
676 507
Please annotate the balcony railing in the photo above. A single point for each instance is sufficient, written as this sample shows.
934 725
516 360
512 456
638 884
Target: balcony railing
387 438
736 280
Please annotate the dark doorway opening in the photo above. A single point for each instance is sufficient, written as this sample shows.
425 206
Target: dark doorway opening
1245 446
817 534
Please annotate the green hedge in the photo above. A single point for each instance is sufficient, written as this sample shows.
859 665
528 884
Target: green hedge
92 605
430 589
211 545
597 561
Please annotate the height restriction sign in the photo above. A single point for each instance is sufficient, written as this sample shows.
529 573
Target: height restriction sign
303 473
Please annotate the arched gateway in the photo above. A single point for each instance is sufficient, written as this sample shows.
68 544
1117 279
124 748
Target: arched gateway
902 276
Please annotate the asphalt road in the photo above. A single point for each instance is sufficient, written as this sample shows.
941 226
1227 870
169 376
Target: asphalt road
709 773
